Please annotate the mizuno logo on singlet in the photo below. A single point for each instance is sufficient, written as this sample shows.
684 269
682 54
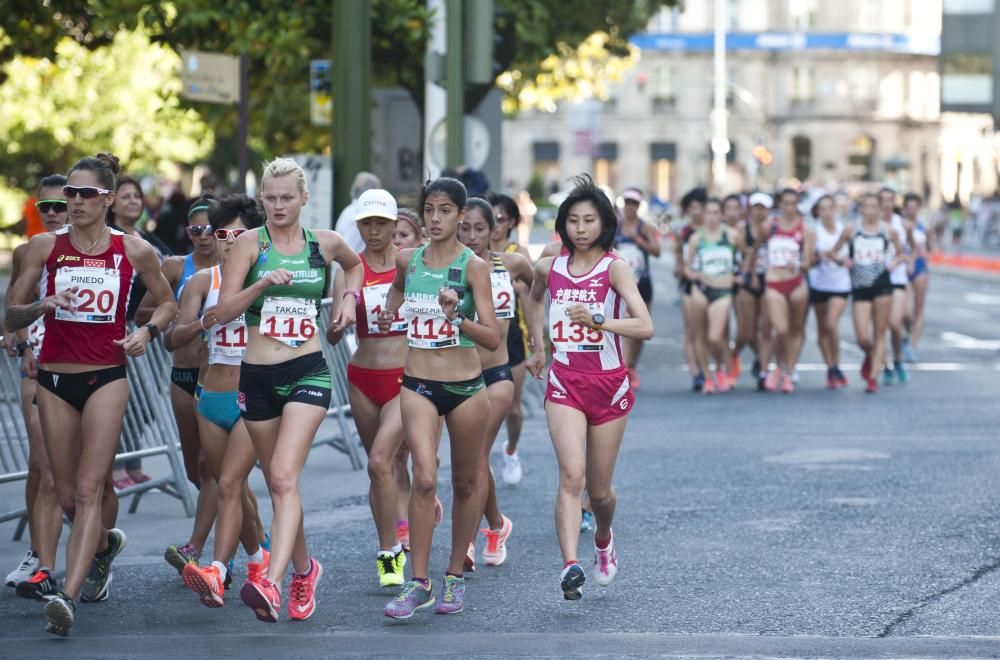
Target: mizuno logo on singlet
594 283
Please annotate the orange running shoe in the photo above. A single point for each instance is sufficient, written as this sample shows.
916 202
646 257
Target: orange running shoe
722 382
787 384
302 592
206 581
735 368
773 380
708 387
496 542
257 571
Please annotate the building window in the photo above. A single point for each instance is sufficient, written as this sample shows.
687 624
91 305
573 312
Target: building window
967 78
606 165
545 165
968 6
802 14
663 159
861 158
801 157
802 83
664 92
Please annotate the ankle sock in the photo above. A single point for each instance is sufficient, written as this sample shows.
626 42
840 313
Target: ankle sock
257 557
602 544
396 549
223 569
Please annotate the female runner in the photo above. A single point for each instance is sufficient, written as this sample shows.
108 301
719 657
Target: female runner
588 397
225 443
508 269
693 206
508 219
277 275
753 329
790 246
82 390
445 286
869 242
829 287
920 243
711 258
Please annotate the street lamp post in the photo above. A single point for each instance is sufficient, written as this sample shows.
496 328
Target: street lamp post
720 130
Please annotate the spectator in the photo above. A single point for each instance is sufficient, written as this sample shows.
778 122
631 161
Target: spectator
346 226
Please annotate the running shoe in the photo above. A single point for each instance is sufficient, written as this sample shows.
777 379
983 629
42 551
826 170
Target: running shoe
180 556
831 380
708 387
773 380
697 383
414 596
390 568
840 378
470 558
96 587
40 586
901 373
605 562
887 375
256 571
403 534
496 542
908 353
756 367
452 596
866 368
872 386
511 470
721 382
633 378
263 598
228 582
206 582
571 582
587 522
787 384
60 611
123 483
266 543
302 592
735 368
24 570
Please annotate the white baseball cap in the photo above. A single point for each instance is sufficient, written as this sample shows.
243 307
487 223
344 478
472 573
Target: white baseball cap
376 203
762 199
632 194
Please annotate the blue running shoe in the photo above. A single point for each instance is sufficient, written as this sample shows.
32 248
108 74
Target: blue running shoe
266 543
888 377
587 522
901 373
571 581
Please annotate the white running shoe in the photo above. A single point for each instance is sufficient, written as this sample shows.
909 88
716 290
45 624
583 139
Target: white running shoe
511 470
496 542
605 563
24 570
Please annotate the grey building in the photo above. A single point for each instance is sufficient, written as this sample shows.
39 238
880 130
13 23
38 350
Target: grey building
970 57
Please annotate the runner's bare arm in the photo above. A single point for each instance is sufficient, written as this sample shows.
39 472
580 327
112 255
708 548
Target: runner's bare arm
638 325
189 325
395 296
485 331
333 335
808 249
233 298
534 310
21 313
354 274
172 268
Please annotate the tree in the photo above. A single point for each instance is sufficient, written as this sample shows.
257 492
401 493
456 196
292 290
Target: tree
280 38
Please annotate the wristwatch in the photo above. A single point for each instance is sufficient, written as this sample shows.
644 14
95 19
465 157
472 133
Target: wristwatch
598 319
21 348
457 321
153 330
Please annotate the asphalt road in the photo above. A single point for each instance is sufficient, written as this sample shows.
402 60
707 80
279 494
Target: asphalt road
820 524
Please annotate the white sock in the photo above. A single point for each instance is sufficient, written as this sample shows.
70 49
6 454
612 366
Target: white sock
258 556
398 548
223 571
384 553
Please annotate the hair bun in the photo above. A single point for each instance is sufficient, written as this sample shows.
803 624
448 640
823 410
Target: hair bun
110 160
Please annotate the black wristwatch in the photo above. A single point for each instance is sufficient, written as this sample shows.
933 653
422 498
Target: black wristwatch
153 330
21 348
598 319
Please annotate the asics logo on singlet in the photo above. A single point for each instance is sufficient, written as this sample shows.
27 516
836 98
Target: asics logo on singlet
67 257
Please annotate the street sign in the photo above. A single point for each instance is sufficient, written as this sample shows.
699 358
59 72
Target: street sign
320 93
318 211
210 77
477 143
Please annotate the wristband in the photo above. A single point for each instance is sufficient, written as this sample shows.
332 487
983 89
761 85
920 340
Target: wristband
153 330
352 292
21 348
201 322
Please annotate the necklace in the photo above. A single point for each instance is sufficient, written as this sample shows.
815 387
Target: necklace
92 245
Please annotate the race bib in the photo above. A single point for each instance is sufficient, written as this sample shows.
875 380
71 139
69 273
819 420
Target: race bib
36 333
503 295
716 261
375 296
96 297
572 337
229 340
292 321
782 252
634 257
427 326
869 250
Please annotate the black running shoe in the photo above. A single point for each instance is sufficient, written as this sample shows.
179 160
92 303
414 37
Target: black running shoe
96 586
697 383
60 611
40 586
571 582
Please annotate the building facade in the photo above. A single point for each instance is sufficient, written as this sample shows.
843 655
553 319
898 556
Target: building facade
835 94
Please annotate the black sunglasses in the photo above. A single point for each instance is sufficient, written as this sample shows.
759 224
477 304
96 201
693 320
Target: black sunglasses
46 205
199 230
86 192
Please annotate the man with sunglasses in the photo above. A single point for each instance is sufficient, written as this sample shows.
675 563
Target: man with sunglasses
33 576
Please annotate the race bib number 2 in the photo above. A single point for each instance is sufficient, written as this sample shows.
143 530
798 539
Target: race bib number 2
503 295
288 320
573 337
96 296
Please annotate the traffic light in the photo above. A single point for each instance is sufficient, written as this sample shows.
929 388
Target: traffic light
763 156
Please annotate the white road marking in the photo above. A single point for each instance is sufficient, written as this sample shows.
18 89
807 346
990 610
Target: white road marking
973 314
810 367
981 298
958 340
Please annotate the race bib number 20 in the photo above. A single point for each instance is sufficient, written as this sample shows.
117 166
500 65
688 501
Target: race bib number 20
96 296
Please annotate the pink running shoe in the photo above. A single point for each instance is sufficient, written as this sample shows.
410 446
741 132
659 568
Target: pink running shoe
302 592
605 562
263 598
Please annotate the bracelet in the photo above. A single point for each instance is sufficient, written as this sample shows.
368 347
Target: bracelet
21 348
353 292
201 323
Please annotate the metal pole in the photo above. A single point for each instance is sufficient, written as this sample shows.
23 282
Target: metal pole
435 97
242 156
454 81
352 98
720 132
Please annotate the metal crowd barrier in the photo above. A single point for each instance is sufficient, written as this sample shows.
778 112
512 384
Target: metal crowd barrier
346 439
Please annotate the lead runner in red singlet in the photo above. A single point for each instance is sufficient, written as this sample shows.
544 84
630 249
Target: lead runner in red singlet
82 390
588 396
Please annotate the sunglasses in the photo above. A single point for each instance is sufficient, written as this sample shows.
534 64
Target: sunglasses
46 205
86 192
199 230
227 234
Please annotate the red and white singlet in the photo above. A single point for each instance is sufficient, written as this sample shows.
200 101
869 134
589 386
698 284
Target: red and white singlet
86 334
374 293
784 248
574 345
